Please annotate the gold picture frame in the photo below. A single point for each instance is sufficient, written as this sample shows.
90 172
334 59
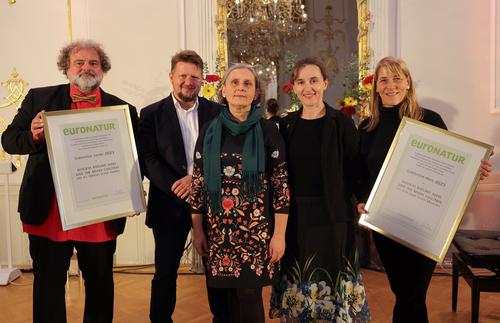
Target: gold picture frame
425 184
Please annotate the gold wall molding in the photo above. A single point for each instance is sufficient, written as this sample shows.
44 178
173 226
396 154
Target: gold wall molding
364 50
15 90
221 25
329 34
70 21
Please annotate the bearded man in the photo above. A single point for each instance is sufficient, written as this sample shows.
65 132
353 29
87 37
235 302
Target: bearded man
168 130
84 64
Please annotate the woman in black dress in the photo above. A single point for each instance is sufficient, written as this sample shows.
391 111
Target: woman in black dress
240 197
320 277
393 97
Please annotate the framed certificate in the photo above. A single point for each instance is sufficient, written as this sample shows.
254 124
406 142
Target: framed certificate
94 164
424 186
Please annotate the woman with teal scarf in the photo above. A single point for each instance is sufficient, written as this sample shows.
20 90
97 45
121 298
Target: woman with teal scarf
240 197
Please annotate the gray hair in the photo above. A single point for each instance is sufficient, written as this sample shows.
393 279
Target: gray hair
64 58
237 66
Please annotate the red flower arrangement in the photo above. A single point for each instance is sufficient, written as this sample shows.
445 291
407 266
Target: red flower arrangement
368 80
348 110
211 78
288 87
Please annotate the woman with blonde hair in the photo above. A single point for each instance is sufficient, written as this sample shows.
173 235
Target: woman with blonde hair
393 97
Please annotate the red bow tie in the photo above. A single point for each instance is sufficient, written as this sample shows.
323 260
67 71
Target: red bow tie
82 98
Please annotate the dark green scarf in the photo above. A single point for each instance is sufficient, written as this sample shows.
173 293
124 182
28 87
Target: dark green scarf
253 154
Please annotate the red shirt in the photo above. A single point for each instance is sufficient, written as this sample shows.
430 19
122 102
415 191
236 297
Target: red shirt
52 227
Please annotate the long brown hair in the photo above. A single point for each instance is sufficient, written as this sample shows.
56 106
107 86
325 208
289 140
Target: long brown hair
409 106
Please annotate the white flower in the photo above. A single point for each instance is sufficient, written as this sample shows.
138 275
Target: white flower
275 154
198 155
325 306
229 171
293 300
343 316
324 290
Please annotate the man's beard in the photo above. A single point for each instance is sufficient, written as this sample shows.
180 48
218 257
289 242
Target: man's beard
85 84
186 98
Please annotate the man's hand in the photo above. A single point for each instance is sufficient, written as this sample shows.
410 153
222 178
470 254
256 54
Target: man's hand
37 128
182 187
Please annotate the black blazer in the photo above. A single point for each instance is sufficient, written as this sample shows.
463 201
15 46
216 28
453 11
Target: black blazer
163 157
37 187
339 151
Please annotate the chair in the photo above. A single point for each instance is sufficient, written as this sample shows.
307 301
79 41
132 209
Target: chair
476 249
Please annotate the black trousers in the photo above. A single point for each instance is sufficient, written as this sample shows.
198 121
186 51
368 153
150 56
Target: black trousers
169 247
409 275
50 265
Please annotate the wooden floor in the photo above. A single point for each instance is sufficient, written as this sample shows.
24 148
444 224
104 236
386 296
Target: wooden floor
132 300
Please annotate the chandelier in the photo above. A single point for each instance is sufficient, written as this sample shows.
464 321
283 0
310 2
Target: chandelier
257 30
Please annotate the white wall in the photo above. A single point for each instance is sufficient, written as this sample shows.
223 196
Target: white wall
139 36
447 45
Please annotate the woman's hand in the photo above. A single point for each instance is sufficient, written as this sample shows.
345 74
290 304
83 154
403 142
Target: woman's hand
200 242
485 169
361 208
277 247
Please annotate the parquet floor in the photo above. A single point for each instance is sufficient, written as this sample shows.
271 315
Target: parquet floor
132 300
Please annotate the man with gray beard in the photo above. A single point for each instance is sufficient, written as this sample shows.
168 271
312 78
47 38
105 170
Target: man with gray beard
84 63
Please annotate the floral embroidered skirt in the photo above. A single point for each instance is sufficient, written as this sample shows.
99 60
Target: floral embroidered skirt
320 280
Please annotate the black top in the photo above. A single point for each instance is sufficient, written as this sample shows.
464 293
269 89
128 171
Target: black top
338 151
305 156
275 119
375 144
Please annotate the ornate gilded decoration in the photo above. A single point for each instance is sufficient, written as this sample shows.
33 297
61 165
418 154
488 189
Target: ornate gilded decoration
328 55
15 90
257 30
364 50
70 22
11 2
221 25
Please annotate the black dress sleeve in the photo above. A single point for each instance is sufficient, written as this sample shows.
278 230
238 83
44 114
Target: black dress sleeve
278 179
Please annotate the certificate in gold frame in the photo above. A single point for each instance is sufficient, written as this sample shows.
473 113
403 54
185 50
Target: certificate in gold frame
94 164
424 186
